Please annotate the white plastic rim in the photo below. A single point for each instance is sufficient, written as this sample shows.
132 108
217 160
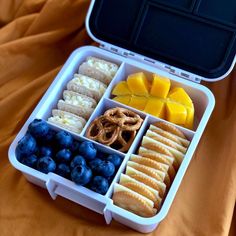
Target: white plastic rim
204 102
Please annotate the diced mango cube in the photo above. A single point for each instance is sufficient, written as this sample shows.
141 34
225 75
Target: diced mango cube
176 113
138 102
121 89
160 86
138 84
123 99
155 107
179 95
190 118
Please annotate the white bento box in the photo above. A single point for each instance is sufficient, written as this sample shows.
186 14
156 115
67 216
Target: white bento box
128 62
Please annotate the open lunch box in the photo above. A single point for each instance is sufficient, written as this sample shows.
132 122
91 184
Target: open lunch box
187 41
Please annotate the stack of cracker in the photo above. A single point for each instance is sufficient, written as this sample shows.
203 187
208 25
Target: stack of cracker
149 173
83 93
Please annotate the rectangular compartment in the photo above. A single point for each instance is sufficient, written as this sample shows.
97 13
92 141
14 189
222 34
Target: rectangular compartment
221 11
56 185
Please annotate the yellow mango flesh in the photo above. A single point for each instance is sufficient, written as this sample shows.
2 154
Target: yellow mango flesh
160 86
155 107
121 89
176 113
190 118
123 99
179 95
138 102
173 105
138 84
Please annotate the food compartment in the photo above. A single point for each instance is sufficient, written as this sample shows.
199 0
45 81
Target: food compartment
77 91
115 125
165 96
45 149
152 168
222 11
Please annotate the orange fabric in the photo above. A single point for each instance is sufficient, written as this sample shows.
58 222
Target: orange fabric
36 37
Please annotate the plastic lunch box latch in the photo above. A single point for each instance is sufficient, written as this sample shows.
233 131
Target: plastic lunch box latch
57 186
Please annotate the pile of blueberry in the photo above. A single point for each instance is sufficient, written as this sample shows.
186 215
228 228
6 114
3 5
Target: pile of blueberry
49 151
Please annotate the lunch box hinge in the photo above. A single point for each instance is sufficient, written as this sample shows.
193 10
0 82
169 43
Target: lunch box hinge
115 50
162 66
184 74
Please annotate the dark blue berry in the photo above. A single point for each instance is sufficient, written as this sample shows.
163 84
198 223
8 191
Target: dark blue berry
99 184
94 164
106 168
63 156
38 128
45 151
63 170
87 150
81 175
26 146
115 159
30 161
46 165
63 139
78 160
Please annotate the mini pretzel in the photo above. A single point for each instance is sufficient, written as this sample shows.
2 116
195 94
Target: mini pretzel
124 140
102 131
126 119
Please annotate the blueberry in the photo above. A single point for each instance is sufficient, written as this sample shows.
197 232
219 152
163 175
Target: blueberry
78 160
101 155
26 146
45 151
115 159
63 156
46 165
106 168
49 138
63 139
87 150
99 184
63 170
75 147
81 175
94 164
30 161
38 128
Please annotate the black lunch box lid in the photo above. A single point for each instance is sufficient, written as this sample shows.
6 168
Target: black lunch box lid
198 36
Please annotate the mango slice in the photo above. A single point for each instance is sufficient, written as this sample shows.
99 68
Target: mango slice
123 99
138 84
121 89
176 113
190 118
155 107
160 86
138 102
179 95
